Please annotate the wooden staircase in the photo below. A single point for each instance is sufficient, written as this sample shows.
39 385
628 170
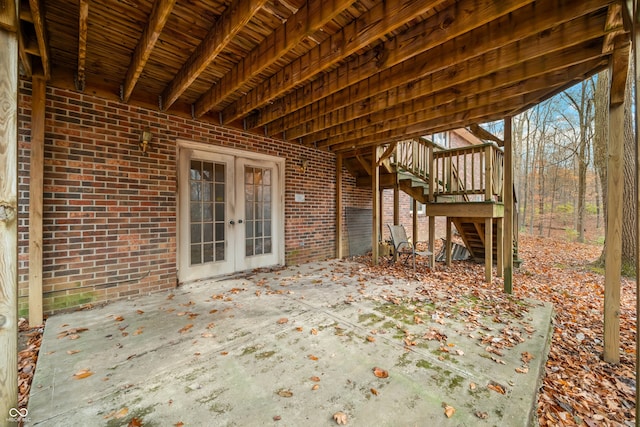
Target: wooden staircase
462 184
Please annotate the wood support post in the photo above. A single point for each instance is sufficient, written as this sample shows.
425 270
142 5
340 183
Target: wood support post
414 217
8 208
432 238
636 58
500 248
375 204
339 223
448 242
508 208
396 204
488 249
36 174
615 183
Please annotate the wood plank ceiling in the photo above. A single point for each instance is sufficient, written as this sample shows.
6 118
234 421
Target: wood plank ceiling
338 75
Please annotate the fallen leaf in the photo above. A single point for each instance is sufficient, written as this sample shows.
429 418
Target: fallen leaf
299 329
315 379
340 418
472 386
380 373
206 335
119 319
314 331
527 357
70 352
277 418
285 393
482 415
312 357
139 311
138 331
449 411
135 422
83 373
282 321
370 338
121 413
497 388
186 328
522 370
374 391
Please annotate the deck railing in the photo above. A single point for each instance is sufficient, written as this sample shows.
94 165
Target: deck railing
472 173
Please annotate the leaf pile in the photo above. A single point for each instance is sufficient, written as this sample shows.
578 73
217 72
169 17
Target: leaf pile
578 389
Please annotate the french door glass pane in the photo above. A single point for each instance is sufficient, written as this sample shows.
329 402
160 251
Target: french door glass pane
257 210
207 211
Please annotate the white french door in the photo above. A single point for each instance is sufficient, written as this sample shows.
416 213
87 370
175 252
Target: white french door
231 215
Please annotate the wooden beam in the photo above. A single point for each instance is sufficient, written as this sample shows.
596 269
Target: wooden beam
83 30
36 179
8 208
311 17
37 15
615 183
634 14
448 242
419 112
509 207
375 205
159 16
407 59
488 250
431 74
339 208
484 134
8 16
230 23
25 58
367 29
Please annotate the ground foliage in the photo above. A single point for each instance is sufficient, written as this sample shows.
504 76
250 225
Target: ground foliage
578 387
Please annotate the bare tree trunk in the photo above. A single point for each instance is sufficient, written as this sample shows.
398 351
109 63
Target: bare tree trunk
600 156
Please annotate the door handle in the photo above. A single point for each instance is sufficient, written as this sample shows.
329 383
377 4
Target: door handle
239 221
232 222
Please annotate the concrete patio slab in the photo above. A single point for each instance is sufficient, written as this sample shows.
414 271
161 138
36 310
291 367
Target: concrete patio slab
292 348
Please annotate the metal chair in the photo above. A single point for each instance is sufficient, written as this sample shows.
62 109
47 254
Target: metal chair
402 246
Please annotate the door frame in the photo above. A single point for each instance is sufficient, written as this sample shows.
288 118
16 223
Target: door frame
185 146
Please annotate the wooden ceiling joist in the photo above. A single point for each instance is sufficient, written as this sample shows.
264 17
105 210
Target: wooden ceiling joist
83 29
230 23
363 31
441 88
423 37
306 21
158 18
476 104
446 58
37 18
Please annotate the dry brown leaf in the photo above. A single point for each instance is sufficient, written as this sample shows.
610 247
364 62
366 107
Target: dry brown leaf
315 387
312 357
186 328
70 352
277 418
83 373
314 331
522 370
299 329
449 411
282 321
374 391
380 373
371 339
139 311
121 413
527 357
482 415
315 379
340 418
138 331
497 388
119 319
135 422
285 393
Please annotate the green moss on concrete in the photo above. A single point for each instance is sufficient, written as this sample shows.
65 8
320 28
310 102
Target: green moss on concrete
265 354
369 319
61 302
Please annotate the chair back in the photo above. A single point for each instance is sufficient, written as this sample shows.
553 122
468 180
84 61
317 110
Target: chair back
398 236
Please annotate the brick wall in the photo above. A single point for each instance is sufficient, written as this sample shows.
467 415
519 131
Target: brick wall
110 212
